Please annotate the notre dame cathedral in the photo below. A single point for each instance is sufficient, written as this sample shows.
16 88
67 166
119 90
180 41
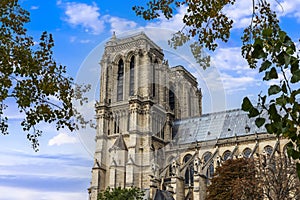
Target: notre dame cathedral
151 132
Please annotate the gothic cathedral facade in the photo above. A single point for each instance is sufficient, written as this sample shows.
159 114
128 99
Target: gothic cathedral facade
151 132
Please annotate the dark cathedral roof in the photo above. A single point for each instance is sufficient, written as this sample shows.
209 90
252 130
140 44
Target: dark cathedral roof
214 126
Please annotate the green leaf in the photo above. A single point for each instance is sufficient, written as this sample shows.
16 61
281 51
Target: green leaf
282 35
269 128
296 76
253 112
258 42
294 64
274 89
246 105
259 121
273 113
258 52
267 32
281 100
291 49
272 74
287 59
265 65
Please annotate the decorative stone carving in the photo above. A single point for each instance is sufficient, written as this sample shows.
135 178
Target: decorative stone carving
175 168
197 164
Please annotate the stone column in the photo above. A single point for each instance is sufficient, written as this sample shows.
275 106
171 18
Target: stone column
144 75
112 176
130 172
177 183
202 187
94 189
103 81
197 187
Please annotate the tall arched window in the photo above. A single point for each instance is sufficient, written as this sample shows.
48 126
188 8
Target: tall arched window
226 155
268 149
189 172
189 107
131 82
120 80
210 168
247 152
171 98
153 78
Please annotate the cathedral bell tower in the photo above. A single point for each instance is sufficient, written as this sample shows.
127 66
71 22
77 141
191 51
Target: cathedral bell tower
133 116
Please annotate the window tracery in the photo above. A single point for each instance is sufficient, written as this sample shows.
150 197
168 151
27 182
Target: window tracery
120 80
189 173
131 81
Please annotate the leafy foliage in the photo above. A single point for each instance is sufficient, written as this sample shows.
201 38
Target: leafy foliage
121 193
204 20
30 77
260 178
277 177
265 47
235 179
274 53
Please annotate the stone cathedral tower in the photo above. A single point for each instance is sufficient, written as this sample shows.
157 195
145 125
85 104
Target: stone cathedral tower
140 97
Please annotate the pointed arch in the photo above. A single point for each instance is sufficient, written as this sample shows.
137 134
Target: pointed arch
120 80
131 77
210 168
268 150
226 155
171 97
189 172
155 65
247 152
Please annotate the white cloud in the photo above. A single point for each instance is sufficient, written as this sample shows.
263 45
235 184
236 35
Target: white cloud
175 23
34 7
240 13
89 18
229 59
13 193
86 16
235 73
239 83
287 8
62 138
120 25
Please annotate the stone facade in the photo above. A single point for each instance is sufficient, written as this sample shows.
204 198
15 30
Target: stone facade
151 132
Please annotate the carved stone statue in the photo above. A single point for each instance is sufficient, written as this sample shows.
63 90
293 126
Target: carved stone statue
155 169
175 170
197 164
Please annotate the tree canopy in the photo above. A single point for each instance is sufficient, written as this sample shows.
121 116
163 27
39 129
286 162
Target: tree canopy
31 79
121 193
277 177
264 46
260 178
235 179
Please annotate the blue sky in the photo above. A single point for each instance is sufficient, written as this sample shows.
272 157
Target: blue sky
61 169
